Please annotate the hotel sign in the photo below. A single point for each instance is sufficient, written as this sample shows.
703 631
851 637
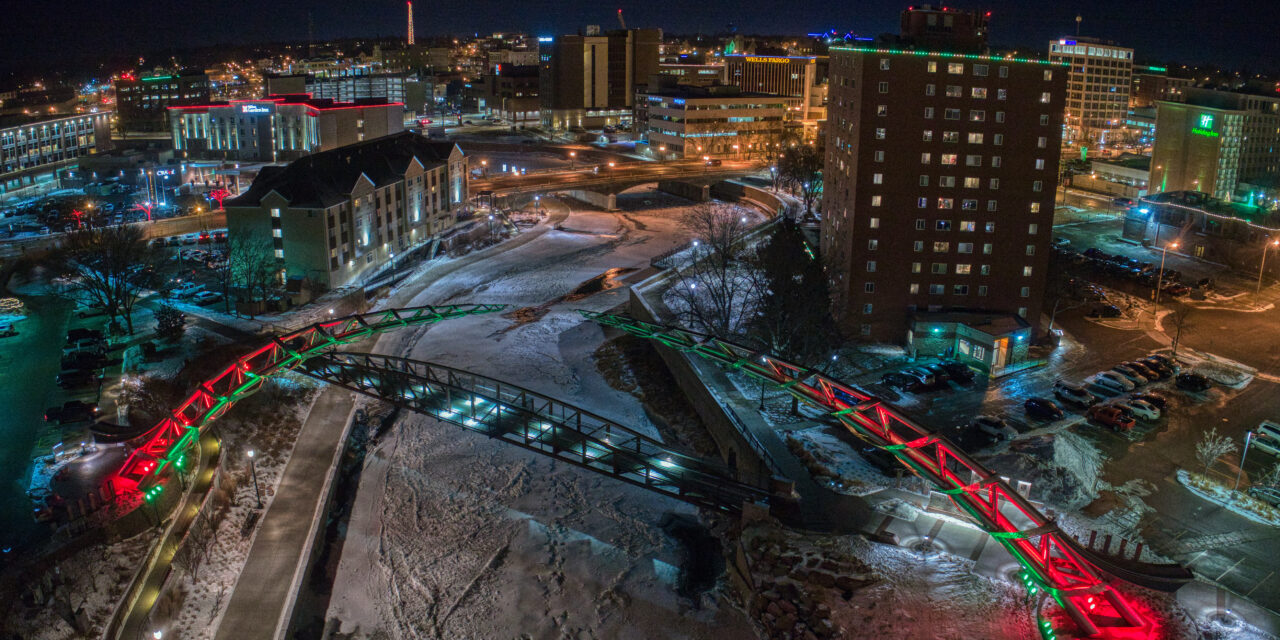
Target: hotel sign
1204 126
254 108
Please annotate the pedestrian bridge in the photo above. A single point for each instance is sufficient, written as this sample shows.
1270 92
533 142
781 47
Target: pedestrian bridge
1081 583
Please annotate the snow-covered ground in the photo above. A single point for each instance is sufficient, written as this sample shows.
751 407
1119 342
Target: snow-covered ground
456 535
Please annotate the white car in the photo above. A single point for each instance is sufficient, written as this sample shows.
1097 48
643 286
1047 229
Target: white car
1267 437
1144 409
1113 381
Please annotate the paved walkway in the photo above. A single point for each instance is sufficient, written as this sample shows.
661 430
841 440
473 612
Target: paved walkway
267 583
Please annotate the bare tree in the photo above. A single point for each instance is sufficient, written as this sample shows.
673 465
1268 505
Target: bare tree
801 168
1272 477
108 267
1059 288
1212 447
715 288
1180 320
253 266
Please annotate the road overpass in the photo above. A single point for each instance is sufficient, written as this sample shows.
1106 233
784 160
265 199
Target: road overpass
162 228
608 181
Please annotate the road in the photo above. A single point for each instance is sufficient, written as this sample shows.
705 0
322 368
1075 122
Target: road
588 177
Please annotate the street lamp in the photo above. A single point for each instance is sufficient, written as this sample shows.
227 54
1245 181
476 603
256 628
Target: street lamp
1248 438
484 168
257 495
572 155
1155 309
537 203
157 634
1258 290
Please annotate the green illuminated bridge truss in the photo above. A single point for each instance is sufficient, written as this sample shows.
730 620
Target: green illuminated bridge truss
1051 560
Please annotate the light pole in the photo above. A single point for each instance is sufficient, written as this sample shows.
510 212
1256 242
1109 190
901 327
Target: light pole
257 495
1155 309
484 168
1248 438
662 153
537 203
491 225
1258 290
572 156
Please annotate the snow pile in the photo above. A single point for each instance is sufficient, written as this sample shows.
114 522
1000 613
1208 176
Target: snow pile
833 462
1235 501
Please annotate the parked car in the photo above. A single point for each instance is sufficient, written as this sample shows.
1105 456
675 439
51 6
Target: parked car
206 298
1154 399
994 427
83 345
186 291
7 331
81 333
1073 394
71 411
959 372
1267 437
1166 360
922 376
1130 374
1111 416
1105 311
1043 408
1159 367
78 379
90 311
938 372
1192 382
83 360
1144 370
1269 495
1112 381
1176 290
897 380
714 162
1144 410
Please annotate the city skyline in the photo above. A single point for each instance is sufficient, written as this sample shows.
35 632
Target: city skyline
1202 34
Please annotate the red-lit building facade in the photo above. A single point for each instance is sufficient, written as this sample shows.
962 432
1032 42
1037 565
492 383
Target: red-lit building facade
939 181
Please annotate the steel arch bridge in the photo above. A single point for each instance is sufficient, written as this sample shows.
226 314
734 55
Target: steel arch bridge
1051 561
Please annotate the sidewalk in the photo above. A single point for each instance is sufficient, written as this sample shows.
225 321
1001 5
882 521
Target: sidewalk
268 582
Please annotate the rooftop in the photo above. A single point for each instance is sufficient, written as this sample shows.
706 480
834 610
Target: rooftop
992 323
20 120
327 178
1260 217
1128 161
319 104
947 54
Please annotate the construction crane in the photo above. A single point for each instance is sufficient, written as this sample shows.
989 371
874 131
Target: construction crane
620 20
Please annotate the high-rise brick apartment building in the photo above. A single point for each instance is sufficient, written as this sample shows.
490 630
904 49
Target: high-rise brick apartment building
938 186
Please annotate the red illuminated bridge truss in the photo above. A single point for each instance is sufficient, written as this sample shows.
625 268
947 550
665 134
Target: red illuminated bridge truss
143 472
1050 559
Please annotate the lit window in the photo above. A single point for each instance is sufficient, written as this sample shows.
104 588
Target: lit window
1026 272
937 289
1048 74
1031 249
955 91
962 269
943 225
991 205
946 203
927 135
938 268
913 289
949 158
871 266
880 156
956 68
882 110
986 249
880 133
1044 118
1042 142
980 69
999 116
941 247
1002 94
1037 186
926 158
995 162
277 233
1033 227
978 92
951 114
873 244
946 181
975 138
990 227
280 253
922 202
875 201
924 180
932 67
951 136
917 246
972 182
928 113
930 89
977 115
1035 207
964 247
884 64
877 178
973 161
866 308
875 223
997 139
985 270
915 267
1026 292
1046 97
968 225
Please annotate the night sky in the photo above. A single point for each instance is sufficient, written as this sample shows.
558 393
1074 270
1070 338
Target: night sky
1229 32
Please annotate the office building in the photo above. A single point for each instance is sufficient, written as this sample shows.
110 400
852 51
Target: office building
801 79
35 150
590 81
1216 141
511 93
141 102
698 75
280 127
1097 88
342 215
403 88
1153 84
719 121
938 188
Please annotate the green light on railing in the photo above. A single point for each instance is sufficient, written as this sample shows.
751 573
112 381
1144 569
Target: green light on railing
944 54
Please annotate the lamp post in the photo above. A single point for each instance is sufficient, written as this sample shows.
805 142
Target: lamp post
662 153
1248 439
1155 309
1258 289
572 156
491 225
537 203
484 168
257 495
